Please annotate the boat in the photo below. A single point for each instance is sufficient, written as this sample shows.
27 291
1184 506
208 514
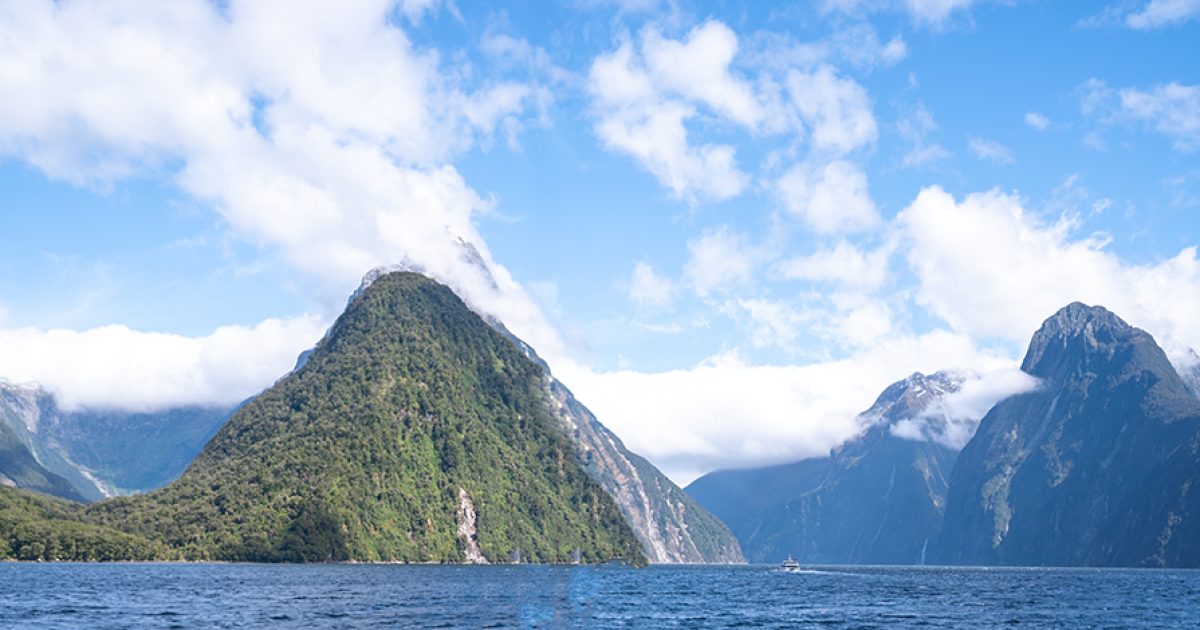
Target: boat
790 564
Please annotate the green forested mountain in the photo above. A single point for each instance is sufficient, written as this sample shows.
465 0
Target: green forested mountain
1097 467
672 527
414 432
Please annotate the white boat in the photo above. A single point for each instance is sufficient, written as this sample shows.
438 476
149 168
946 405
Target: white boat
790 564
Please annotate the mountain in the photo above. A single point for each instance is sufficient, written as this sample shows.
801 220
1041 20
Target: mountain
877 499
1094 468
20 469
1190 373
414 432
672 527
107 452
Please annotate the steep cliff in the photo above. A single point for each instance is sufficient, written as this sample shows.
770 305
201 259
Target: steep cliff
1094 468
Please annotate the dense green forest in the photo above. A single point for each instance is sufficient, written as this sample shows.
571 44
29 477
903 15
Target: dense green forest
410 401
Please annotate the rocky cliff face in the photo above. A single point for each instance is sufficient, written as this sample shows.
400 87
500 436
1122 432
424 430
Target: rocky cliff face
877 499
1092 469
20 469
672 527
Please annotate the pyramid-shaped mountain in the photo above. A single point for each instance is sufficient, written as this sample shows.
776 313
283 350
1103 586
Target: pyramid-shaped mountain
414 432
1097 467
672 527
877 499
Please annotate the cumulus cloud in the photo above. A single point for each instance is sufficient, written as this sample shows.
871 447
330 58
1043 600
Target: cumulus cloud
1037 121
830 198
1159 13
991 269
836 109
698 68
320 134
952 421
1172 110
990 150
774 323
718 260
844 264
649 290
642 102
115 367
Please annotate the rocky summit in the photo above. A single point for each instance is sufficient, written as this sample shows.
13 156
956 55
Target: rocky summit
1094 468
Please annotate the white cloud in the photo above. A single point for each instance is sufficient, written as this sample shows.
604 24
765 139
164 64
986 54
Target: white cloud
861 322
837 110
916 127
648 290
720 259
320 133
859 44
698 69
726 413
414 10
1158 13
636 119
935 12
953 420
115 367
775 323
845 264
1037 121
990 150
992 270
831 198
1172 109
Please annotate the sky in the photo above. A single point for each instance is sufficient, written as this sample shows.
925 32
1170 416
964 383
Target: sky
727 226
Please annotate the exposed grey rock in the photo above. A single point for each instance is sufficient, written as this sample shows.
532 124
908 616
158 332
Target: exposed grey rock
1094 468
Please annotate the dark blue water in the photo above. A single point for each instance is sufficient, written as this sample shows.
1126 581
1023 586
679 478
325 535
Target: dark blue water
97 596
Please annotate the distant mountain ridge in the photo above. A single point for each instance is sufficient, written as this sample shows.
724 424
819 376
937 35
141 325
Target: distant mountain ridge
877 499
104 453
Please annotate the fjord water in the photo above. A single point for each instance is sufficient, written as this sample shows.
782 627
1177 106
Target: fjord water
53 596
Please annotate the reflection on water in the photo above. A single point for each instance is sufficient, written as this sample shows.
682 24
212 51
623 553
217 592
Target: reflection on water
360 596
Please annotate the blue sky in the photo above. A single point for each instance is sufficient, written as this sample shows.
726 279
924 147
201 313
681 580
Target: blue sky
727 225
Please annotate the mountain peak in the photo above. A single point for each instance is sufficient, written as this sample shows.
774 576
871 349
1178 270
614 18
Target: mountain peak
1076 324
